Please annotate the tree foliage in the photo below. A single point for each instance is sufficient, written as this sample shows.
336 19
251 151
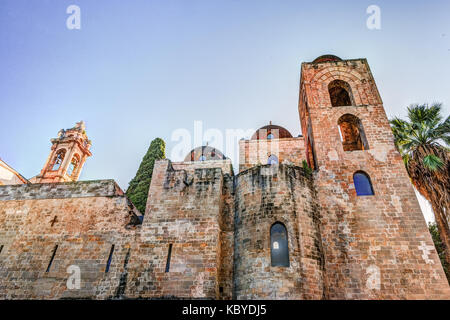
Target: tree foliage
308 170
138 187
439 248
423 142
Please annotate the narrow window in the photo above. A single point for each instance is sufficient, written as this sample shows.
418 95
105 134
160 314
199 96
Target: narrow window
352 133
1 248
279 251
362 183
168 258
55 219
59 158
310 158
272 159
109 259
310 153
51 259
340 93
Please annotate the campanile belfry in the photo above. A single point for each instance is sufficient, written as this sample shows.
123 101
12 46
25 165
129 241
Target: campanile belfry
68 154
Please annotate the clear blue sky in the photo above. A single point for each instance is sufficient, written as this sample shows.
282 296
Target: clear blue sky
141 69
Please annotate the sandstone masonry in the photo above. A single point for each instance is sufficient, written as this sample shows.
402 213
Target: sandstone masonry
208 233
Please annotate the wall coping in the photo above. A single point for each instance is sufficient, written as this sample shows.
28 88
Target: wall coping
61 190
301 138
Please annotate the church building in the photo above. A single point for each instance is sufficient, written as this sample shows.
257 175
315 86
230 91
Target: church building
328 214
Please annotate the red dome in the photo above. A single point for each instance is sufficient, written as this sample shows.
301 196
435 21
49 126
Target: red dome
204 153
327 58
277 132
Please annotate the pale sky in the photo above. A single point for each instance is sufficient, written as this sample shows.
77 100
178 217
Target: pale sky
141 69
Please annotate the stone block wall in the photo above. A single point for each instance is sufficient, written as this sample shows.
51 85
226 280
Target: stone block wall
265 195
83 219
188 210
226 223
256 152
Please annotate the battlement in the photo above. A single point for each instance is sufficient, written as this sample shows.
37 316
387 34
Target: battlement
224 165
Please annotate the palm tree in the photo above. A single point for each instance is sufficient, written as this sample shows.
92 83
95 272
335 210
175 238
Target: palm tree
423 142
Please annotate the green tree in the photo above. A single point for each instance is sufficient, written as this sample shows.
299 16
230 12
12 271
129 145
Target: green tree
308 170
423 141
138 187
439 248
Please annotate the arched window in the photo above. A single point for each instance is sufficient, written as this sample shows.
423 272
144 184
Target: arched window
202 158
340 93
272 159
362 184
279 249
352 133
73 165
59 158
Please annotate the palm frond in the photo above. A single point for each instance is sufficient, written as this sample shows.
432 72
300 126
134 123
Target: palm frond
433 162
423 142
406 157
424 113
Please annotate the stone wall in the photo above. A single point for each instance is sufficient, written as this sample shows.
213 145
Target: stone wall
85 189
189 209
83 219
265 195
256 152
226 223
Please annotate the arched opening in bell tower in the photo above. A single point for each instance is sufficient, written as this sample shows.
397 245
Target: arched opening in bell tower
340 93
352 133
73 166
59 158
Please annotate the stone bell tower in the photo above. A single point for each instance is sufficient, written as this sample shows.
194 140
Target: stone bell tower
375 241
67 156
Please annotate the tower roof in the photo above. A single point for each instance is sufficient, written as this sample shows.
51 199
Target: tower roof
76 133
204 153
327 58
67 155
278 132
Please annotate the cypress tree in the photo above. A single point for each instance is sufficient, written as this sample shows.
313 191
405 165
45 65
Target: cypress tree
138 187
